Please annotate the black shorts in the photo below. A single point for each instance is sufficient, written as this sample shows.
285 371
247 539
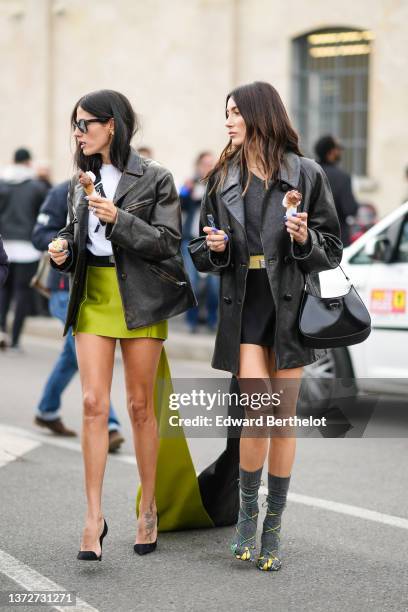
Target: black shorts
258 314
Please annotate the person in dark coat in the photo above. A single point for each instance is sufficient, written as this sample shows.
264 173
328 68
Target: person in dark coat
3 264
51 218
328 151
21 196
263 257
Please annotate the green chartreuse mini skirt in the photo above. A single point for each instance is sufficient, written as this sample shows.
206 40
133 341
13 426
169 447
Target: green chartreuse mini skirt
101 310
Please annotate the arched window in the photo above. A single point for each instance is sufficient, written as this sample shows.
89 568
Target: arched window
330 91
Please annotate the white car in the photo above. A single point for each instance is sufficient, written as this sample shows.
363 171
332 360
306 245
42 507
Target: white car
377 264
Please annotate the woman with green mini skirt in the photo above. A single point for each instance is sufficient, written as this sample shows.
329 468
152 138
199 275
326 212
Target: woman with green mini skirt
122 248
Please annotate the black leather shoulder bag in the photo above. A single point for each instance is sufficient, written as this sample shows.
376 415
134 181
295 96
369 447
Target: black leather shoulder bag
328 322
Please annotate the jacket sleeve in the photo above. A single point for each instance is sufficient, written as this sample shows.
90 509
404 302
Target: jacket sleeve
3 264
68 234
203 258
323 249
51 218
160 238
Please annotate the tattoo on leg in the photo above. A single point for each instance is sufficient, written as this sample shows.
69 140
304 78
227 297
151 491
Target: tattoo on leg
149 518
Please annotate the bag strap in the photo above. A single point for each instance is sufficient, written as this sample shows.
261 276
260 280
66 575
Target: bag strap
347 278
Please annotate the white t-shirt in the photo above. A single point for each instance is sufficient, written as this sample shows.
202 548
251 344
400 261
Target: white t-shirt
98 245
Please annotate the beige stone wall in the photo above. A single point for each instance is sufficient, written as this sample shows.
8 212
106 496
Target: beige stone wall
176 61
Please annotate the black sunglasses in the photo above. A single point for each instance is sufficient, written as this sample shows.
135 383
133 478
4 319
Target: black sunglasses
82 124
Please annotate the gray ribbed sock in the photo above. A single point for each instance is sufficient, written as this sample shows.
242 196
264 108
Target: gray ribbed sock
269 558
245 536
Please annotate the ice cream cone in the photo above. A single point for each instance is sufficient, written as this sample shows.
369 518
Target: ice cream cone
87 180
57 244
291 202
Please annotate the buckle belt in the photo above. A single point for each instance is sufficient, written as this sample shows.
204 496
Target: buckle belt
256 262
100 261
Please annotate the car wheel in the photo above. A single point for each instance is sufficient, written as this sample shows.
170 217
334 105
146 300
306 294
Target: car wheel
326 380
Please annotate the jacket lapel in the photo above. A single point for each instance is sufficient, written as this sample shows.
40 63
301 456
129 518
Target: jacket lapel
82 214
129 177
274 235
231 191
231 194
290 170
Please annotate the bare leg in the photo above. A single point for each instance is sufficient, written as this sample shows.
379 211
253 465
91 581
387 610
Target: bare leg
141 357
95 360
253 364
281 456
282 449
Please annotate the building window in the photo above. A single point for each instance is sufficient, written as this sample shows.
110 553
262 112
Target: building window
330 91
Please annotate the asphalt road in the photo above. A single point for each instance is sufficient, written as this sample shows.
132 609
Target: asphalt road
344 536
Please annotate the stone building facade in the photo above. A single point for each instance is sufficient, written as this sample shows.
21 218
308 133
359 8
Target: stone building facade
177 60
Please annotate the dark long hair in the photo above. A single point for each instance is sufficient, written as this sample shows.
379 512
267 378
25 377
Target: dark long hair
108 104
269 133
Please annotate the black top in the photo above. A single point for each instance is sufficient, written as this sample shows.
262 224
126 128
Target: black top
253 213
20 202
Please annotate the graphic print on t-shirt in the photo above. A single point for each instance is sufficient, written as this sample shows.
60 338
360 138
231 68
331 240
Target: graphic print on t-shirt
106 183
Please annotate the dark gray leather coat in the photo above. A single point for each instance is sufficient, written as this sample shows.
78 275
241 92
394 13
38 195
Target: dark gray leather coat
145 240
286 263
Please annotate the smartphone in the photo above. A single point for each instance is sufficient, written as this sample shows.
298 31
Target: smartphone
211 222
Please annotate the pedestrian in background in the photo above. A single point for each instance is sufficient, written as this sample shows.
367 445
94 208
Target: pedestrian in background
52 217
123 250
191 194
3 264
262 258
328 152
21 196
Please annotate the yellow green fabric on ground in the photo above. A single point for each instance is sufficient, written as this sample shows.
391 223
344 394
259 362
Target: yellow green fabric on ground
178 498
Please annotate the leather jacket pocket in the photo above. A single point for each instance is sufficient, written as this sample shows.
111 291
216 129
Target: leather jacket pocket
135 205
167 277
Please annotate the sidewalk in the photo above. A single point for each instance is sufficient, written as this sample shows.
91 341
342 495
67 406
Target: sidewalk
180 344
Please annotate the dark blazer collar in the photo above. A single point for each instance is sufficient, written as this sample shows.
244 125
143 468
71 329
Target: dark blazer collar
231 190
134 169
134 163
290 170
289 173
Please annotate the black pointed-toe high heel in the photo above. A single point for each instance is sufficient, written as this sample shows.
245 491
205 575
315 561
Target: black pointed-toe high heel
144 549
90 555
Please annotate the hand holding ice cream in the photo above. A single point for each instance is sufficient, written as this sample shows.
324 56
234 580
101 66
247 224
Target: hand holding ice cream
291 201
58 250
102 208
296 222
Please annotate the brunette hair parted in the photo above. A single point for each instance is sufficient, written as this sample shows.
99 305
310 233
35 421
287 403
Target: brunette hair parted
108 104
269 133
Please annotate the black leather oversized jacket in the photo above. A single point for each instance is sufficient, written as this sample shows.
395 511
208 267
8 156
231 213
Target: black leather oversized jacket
286 263
145 240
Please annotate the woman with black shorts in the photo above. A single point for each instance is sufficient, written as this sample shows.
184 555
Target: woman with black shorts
262 256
